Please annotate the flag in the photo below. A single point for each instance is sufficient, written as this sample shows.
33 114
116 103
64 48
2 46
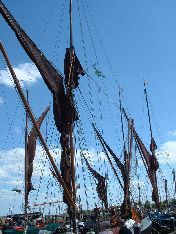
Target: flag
98 72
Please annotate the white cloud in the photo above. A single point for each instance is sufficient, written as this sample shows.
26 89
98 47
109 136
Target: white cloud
167 152
12 176
1 101
14 163
16 183
25 72
91 156
172 133
3 173
8 199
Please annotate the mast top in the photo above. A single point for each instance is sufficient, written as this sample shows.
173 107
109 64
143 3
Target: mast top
148 112
71 29
153 145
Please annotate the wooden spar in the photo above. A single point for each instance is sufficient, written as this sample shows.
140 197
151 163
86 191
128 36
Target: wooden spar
130 156
71 127
125 205
146 158
121 119
131 124
26 165
105 150
71 30
127 161
28 109
47 203
148 112
139 189
166 191
72 153
126 208
71 130
69 96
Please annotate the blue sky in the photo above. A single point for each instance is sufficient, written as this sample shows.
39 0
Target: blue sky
131 41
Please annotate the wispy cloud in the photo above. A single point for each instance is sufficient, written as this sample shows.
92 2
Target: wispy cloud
3 173
9 198
16 183
14 163
172 133
26 73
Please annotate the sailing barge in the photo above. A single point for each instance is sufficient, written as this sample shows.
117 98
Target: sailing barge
65 116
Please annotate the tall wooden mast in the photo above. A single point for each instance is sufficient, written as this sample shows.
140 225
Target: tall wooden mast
26 165
153 162
71 28
166 190
69 94
148 111
127 151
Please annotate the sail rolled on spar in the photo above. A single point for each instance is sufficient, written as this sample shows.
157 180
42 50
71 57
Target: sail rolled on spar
101 184
31 148
150 161
100 138
116 159
151 165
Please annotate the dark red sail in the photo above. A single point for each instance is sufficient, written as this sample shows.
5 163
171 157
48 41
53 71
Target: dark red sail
72 69
101 184
150 161
65 163
106 153
31 148
118 162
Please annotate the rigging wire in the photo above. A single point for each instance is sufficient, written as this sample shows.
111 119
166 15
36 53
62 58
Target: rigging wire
59 33
84 151
10 136
85 57
87 110
43 32
12 122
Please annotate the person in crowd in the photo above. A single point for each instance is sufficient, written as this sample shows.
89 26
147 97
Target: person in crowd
123 228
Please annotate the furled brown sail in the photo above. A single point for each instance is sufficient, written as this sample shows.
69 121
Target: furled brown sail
101 184
150 162
116 159
151 166
31 148
72 70
126 206
106 153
